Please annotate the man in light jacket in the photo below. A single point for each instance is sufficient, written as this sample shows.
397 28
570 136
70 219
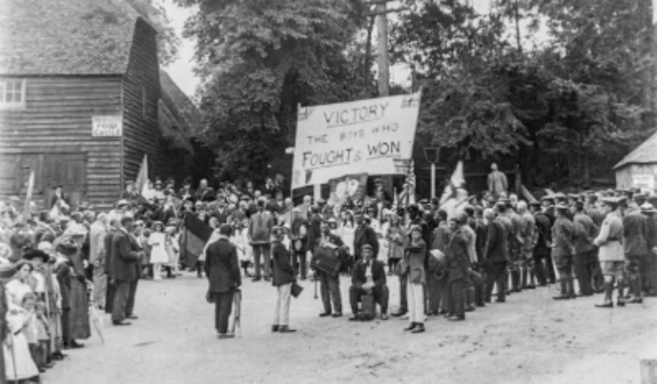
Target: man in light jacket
260 225
611 256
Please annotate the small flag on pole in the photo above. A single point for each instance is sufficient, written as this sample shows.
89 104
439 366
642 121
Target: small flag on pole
197 234
142 176
28 197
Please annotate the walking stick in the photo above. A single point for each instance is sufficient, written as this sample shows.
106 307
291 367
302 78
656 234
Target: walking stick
315 287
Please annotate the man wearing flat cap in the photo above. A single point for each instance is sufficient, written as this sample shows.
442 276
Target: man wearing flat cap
283 278
329 244
611 256
125 271
364 235
585 250
369 278
563 251
298 239
635 234
649 269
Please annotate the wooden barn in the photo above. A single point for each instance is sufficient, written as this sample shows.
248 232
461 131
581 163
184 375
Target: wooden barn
639 168
82 99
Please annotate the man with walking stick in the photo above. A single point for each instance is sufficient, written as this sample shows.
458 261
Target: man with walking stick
223 272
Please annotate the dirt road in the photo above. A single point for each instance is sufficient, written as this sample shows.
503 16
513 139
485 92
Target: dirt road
529 339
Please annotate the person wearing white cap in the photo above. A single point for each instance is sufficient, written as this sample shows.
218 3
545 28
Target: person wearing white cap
416 252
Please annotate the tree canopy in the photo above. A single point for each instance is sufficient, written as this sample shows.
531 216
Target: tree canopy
561 88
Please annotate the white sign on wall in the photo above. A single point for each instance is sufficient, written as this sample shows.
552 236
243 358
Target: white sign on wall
363 136
644 182
106 126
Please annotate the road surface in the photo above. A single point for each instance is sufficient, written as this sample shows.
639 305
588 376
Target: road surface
529 339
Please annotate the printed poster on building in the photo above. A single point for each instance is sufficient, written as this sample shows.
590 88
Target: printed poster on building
644 182
106 126
365 136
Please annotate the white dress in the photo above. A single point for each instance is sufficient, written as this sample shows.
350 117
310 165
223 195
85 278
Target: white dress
347 233
159 253
18 355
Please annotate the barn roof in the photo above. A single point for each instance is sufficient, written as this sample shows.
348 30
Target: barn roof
182 108
179 119
643 154
66 37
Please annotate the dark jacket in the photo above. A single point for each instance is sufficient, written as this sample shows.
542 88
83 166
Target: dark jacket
544 232
125 257
563 238
457 256
260 225
585 232
365 235
497 245
358 277
221 266
64 275
314 231
635 233
297 223
283 272
107 240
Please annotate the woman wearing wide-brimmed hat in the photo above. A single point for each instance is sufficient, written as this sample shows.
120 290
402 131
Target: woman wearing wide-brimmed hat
72 280
159 254
48 290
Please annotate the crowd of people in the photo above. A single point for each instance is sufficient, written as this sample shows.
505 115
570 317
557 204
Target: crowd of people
59 263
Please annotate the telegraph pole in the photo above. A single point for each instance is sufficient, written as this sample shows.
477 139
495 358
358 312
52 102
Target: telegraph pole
382 48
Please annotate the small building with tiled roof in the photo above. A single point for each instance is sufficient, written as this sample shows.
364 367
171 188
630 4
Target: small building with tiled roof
83 99
639 168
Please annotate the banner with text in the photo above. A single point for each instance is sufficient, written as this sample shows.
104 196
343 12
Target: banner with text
365 136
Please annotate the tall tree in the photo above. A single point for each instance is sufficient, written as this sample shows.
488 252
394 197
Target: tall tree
258 60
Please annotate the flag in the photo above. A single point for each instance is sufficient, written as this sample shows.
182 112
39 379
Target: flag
142 176
196 235
407 195
28 197
455 196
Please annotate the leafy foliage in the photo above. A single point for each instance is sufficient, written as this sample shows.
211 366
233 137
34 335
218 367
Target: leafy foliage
562 110
259 59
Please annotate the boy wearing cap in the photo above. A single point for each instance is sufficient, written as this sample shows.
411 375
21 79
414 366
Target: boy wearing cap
283 278
369 278
611 256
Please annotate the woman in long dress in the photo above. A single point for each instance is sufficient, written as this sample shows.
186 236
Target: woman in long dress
159 255
18 363
78 316
396 236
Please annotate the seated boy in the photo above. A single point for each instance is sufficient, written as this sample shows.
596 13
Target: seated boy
368 278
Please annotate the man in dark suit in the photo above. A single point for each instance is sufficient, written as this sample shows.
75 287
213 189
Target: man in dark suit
496 255
329 284
299 238
276 205
364 235
283 278
635 246
260 225
542 258
59 197
107 264
563 251
125 271
369 278
221 213
223 272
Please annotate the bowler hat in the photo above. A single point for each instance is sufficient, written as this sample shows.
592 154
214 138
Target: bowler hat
562 206
367 247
